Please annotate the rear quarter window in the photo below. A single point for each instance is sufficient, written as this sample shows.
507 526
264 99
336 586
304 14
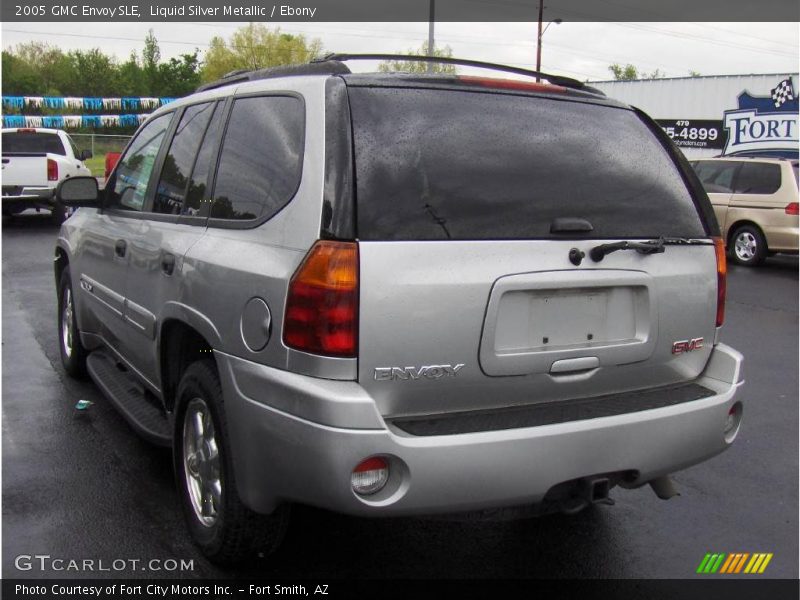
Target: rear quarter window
758 178
261 159
441 164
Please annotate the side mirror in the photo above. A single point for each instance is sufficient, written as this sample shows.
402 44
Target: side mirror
78 191
85 154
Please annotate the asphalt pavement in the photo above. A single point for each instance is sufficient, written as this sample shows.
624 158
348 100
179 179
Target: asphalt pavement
80 485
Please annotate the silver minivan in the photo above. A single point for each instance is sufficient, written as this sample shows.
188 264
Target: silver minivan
400 294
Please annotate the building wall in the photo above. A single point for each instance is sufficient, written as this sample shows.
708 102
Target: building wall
692 98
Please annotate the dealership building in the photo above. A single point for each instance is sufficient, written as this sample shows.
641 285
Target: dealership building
723 114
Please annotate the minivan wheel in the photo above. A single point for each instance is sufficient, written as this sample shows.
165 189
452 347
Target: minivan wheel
73 354
748 246
224 529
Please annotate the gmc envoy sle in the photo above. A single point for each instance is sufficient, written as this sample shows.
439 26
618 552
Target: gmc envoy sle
400 294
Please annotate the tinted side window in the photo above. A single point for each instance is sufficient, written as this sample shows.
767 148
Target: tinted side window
32 142
172 186
758 178
196 193
133 171
716 175
261 159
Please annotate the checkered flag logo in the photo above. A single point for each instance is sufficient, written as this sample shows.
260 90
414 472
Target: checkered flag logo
783 92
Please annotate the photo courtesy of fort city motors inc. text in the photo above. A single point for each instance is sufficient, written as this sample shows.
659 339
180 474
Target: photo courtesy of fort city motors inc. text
377 299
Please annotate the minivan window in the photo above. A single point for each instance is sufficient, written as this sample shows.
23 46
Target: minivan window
171 190
132 174
32 142
758 178
261 158
716 175
443 164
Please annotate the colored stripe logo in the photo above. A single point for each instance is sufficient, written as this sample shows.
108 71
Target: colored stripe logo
735 563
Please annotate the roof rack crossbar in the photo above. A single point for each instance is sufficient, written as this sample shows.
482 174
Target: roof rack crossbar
554 79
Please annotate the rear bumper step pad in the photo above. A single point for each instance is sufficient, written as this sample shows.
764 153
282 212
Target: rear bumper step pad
551 413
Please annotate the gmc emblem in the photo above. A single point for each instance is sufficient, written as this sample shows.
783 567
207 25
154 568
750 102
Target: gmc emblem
687 345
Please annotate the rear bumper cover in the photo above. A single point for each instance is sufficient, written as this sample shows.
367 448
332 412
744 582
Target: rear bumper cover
31 196
295 438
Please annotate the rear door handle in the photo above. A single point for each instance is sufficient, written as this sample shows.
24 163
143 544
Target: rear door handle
120 248
168 263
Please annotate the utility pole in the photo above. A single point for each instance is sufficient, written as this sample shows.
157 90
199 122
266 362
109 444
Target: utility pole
431 19
539 39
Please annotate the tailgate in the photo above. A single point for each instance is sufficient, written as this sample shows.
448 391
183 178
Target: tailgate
472 208
484 326
28 171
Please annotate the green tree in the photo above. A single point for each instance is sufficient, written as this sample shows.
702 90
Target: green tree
94 73
254 47
629 72
693 73
179 76
151 56
412 66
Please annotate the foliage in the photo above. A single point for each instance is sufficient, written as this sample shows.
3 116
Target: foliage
410 66
255 46
39 69
630 72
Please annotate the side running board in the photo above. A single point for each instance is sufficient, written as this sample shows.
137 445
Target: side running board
128 397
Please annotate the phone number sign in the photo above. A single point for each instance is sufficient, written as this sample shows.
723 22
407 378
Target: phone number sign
695 133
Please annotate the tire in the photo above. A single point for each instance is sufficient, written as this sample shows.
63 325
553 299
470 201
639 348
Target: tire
73 354
225 530
748 246
59 213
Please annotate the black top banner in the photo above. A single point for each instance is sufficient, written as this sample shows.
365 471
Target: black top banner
401 10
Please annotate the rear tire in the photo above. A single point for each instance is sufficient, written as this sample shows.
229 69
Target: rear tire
748 246
59 213
225 530
73 354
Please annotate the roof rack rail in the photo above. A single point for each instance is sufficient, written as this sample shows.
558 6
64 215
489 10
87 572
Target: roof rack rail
554 79
331 67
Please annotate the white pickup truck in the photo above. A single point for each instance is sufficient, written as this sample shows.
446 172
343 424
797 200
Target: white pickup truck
35 161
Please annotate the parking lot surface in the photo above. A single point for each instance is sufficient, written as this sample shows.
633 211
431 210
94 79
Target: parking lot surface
82 485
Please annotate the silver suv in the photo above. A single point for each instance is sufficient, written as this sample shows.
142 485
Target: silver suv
398 294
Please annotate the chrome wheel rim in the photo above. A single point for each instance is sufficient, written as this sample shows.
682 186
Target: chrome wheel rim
66 323
201 462
745 246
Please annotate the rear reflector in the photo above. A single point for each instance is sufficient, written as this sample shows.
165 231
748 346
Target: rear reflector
722 273
370 476
52 170
793 208
322 303
511 84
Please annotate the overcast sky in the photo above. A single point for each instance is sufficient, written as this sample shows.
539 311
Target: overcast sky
580 50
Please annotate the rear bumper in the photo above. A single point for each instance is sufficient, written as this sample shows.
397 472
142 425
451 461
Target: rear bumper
299 447
30 197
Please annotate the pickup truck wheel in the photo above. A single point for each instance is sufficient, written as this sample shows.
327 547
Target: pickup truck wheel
224 529
748 246
73 354
59 213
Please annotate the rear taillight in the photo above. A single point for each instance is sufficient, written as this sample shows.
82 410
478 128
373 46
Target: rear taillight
793 208
52 170
722 273
322 304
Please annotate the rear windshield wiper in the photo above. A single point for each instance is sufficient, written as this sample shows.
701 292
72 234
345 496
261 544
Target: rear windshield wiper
655 246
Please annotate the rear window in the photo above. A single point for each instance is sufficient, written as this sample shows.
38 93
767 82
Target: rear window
716 175
435 165
25 142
